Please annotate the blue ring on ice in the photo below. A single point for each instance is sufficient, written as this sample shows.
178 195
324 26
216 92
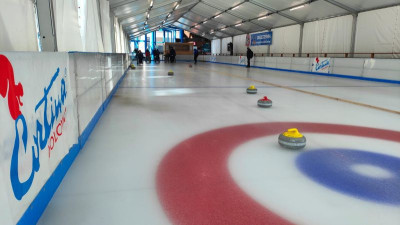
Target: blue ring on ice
334 168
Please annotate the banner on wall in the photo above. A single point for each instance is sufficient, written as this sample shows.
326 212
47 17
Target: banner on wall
264 38
321 65
39 119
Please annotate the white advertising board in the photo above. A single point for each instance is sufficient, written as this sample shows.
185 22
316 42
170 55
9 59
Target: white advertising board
38 125
242 60
321 65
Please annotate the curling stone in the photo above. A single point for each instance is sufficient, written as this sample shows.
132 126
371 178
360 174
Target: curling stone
170 73
132 66
252 90
190 66
264 102
292 139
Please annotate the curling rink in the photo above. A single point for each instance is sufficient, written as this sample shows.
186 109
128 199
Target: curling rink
194 148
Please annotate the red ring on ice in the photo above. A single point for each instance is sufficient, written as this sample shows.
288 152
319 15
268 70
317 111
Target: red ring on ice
194 183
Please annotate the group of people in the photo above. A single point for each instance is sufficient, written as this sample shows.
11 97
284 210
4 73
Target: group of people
147 56
169 56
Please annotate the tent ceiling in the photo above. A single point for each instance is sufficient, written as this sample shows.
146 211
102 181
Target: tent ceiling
220 18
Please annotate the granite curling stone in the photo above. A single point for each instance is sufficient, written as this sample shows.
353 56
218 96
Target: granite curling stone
252 90
190 65
264 102
132 66
292 139
170 73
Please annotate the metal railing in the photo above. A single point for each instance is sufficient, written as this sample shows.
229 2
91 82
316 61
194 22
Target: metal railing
335 55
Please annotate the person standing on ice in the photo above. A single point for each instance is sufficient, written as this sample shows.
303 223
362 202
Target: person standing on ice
196 54
172 55
250 55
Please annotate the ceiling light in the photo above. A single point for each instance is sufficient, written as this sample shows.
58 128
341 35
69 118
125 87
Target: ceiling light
223 28
145 23
205 21
148 15
169 15
238 25
298 7
264 17
176 7
236 7
217 16
151 4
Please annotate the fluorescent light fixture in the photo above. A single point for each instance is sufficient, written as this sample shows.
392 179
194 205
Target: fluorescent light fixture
298 7
176 7
145 23
236 7
223 28
148 15
217 16
264 17
163 21
169 15
151 4
205 21
238 25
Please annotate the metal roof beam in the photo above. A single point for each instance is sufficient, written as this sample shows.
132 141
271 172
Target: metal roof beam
342 6
116 5
199 29
279 12
235 15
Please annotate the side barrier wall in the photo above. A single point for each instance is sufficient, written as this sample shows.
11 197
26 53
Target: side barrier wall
384 70
49 103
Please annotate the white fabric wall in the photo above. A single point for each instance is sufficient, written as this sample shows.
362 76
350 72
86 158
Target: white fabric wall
328 36
17 26
225 42
215 46
286 39
105 24
239 44
122 39
378 31
67 26
93 40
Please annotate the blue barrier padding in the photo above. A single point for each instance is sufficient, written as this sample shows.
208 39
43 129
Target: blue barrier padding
39 204
318 74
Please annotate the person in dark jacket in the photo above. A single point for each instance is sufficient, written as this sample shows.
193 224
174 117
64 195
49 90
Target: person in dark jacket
172 55
250 55
166 56
157 55
140 57
148 57
196 54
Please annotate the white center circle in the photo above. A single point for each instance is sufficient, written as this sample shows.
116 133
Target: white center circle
371 171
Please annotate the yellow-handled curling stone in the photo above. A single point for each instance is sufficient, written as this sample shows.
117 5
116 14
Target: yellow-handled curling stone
292 139
170 73
252 90
132 66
